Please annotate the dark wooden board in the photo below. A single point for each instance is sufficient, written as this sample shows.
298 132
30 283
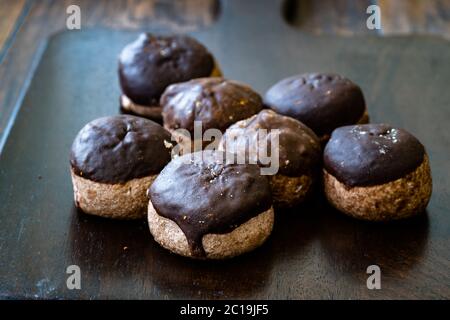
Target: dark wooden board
314 252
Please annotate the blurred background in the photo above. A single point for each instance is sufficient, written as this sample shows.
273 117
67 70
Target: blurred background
24 24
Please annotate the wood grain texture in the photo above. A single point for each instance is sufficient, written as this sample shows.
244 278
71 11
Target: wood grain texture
313 252
45 17
9 13
430 17
347 17
342 17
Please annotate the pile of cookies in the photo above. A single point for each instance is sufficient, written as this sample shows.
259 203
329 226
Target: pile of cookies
199 205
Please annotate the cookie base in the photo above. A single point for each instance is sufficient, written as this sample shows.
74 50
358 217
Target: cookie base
402 198
149 112
118 201
244 238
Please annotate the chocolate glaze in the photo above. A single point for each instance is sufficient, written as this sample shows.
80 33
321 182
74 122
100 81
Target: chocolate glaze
216 102
372 154
204 195
321 101
119 148
300 151
151 63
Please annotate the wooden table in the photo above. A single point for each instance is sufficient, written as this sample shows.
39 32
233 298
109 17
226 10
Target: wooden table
25 24
88 240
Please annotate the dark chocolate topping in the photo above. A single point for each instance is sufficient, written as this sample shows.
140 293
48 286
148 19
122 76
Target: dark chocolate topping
321 101
120 148
204 195
372 154
151 63
300 151
216 102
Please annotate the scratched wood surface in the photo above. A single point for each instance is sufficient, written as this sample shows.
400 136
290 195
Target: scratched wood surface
41 18
348 17
9 13
314 252
24 25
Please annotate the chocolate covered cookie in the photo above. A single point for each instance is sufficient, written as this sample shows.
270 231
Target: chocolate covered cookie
215 102
297 158
113 162
323 102
202 207
152 62
376 172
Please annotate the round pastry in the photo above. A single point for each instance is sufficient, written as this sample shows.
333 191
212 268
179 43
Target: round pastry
152 62
113 162
204 207
299 153
323 102
216 102
376 172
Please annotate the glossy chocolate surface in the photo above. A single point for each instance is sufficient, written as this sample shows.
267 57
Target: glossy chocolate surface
152 62
299 148
216 102
372 154
120 148
203 195
321 101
